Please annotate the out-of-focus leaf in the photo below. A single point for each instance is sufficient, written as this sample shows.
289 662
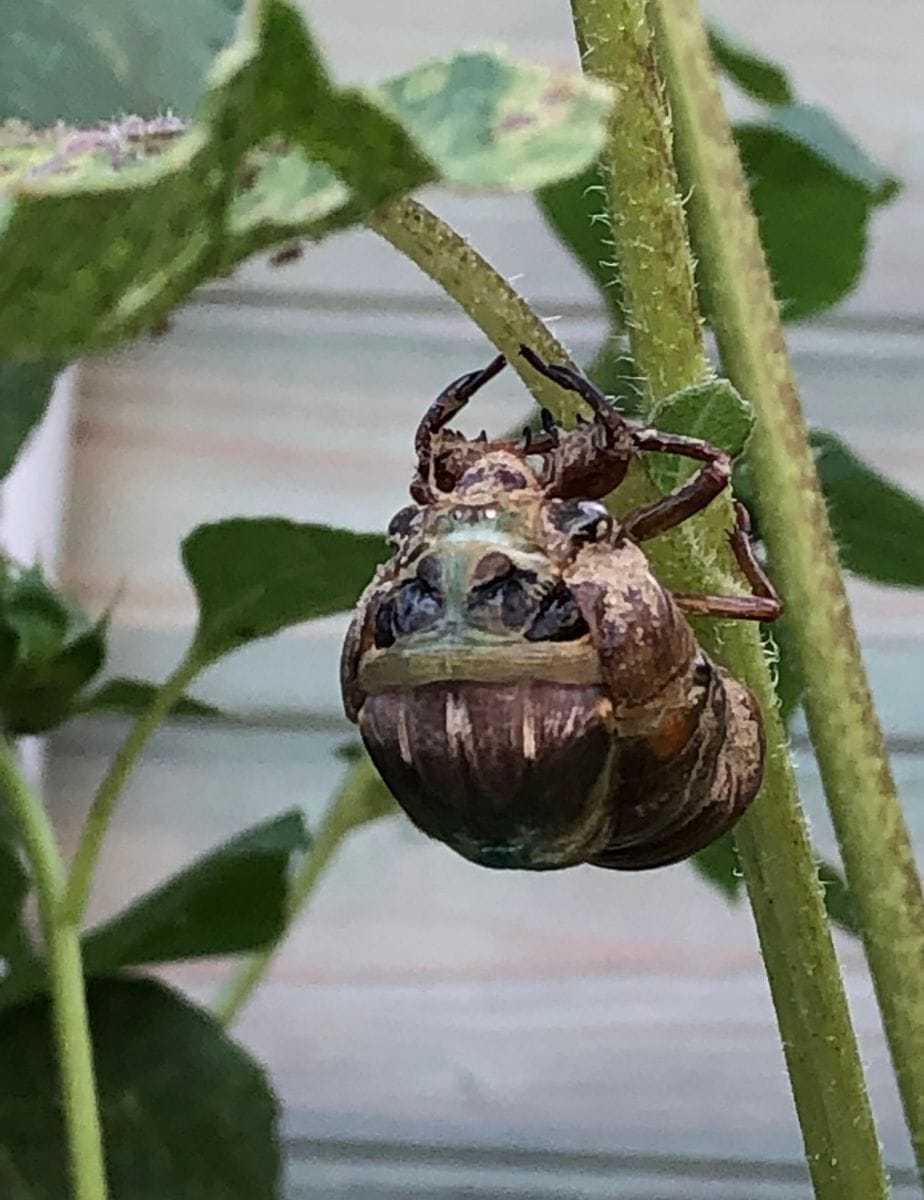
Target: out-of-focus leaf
25 389
256 576
49 651
186 1113
135 696
879 527
232 900
838 901
754 74
85 61
813 190
14 885
103 231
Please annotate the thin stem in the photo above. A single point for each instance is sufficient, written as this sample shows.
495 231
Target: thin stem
664 328
68 995
495 307
110 790
844 727
361 798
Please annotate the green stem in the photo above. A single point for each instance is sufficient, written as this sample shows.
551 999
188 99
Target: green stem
665 332
495 307
361 798
68 996
110 790
845 731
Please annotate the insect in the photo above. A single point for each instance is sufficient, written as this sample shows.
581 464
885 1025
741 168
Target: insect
529 691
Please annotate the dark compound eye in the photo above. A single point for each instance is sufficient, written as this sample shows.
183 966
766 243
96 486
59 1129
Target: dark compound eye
582 520
414 606
559 618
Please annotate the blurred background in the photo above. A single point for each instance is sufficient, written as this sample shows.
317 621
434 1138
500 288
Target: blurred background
435 1029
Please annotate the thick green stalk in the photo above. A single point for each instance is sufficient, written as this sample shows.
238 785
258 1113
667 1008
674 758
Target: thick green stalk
845 730
112 786
656 266
65 971
362 798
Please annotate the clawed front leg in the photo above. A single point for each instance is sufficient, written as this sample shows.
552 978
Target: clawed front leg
764 605
686 501
449 402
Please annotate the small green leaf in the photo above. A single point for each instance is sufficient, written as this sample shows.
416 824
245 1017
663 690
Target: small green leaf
232 900
186 1113
713 411
813 190
789 682
576 210
135 696
25 389
754 74
256 576
878 526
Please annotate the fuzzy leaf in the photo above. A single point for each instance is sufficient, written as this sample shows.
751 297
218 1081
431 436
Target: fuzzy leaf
232 900
186 1113
256 576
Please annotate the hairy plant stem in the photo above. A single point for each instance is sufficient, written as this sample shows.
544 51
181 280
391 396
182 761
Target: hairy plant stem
65 972
845 731
663 321
362 797
110 790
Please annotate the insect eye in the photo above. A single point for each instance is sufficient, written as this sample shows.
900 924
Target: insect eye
415 605
582 520
402 523
559 619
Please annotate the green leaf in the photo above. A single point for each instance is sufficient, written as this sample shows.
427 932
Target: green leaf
25 389
186 1113
839 903
879 527
256 576
713 411
103 231
86 60
48 652
135 696
232 900
813 190
754 74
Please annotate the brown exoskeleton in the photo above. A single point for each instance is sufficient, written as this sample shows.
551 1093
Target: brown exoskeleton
529 691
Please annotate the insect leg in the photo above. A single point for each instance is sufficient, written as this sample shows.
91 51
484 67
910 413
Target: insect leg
671 510
574 381
450 401
764 605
